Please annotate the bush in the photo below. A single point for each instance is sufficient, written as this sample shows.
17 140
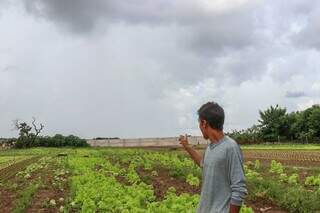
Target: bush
55 141
60 140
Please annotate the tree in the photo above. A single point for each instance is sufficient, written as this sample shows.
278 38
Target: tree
27 138
274 123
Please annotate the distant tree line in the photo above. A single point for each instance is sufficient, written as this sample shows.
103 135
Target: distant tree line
29 137
277 125
56 141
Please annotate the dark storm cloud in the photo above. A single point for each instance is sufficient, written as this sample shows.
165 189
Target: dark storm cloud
81 16
77 16
295 94
202 29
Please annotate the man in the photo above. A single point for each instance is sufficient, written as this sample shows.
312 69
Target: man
223 181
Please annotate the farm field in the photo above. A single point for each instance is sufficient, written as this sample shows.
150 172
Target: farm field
147 180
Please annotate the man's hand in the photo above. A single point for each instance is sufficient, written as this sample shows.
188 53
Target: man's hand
193 153
184 140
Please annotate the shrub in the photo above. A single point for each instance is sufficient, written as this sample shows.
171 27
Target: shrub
60 141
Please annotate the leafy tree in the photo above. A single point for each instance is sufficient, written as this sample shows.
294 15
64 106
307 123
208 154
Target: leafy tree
274 123
313 121
247 136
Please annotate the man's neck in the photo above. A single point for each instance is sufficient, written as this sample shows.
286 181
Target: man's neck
215 138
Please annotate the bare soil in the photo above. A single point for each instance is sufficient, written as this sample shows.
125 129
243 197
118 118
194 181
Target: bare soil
162 182
6 200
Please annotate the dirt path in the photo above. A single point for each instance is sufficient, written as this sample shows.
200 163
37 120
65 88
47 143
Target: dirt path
54 189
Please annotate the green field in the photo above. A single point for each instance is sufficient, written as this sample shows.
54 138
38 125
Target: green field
140 180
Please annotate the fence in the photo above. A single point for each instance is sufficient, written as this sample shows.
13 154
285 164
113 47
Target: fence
145 142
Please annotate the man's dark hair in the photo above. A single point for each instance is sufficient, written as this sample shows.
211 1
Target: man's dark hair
213 114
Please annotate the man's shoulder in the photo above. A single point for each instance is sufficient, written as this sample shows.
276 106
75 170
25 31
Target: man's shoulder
231 142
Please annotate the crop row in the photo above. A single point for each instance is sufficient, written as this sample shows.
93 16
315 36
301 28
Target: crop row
12 169
283 155
10 160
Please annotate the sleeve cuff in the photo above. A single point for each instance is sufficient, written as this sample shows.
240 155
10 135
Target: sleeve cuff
236 202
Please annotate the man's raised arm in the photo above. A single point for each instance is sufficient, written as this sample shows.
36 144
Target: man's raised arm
192 152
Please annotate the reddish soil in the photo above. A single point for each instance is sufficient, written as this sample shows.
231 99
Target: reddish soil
6 201
122 180
119 178
162 182
44 196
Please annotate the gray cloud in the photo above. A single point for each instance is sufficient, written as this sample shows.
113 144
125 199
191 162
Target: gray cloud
308 36
81 14
222 40
208 34
132 69
295 94
205 31
78 16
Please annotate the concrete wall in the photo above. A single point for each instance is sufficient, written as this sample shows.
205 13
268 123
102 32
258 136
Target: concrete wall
145 142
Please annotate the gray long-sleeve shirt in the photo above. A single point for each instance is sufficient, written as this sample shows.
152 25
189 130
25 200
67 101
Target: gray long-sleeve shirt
223 177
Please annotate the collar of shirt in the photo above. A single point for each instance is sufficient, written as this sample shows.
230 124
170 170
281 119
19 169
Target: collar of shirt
213 145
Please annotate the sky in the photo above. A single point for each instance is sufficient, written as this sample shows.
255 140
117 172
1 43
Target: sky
139 68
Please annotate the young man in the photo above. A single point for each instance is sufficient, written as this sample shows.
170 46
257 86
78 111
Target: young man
223 180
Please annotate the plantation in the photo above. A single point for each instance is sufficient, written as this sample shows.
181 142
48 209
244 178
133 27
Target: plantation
139 180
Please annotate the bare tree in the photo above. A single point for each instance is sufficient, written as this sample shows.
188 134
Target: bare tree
36 129
26 136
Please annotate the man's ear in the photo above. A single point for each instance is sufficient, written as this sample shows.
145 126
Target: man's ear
205 123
